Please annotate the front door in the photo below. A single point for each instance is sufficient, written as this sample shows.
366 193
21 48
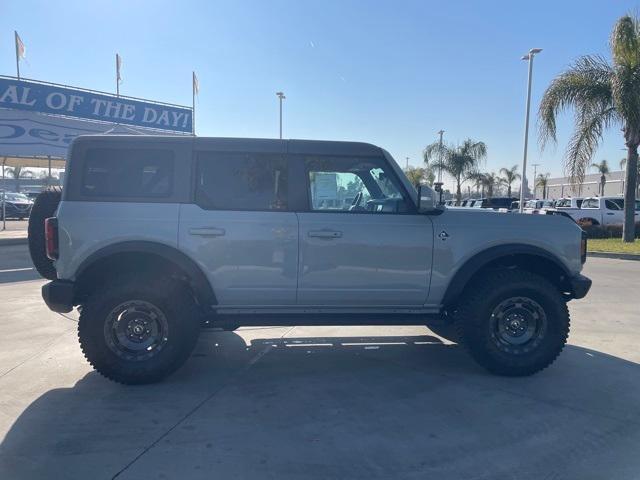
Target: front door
361 242
240 230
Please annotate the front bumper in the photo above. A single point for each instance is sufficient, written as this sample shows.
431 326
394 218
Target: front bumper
59 295
580 286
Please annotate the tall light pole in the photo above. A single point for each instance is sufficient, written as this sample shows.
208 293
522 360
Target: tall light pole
438 184
281 97
441 132
535 175
529 56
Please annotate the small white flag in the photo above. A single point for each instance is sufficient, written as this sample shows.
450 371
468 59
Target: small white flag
196 85
21 51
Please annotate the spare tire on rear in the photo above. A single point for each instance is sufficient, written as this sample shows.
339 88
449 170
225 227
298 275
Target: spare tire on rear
44 207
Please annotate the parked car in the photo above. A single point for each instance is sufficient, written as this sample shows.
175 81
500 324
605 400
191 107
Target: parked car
16 205
568 202
602 211
156 237
534 206
495 203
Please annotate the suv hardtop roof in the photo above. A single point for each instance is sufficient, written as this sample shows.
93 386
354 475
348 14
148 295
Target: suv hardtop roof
317 147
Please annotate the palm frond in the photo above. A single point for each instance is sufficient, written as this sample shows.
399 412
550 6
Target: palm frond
587 84
625 42
435 151
585 140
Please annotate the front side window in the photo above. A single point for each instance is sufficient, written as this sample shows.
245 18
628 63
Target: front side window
128 172
241 181
350 184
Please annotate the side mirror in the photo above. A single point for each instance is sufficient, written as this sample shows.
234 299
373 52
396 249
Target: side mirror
426 199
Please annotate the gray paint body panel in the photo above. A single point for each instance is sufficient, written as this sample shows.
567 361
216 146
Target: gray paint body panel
267 260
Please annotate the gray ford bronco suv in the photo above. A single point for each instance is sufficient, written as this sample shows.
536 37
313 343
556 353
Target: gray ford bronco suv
154 237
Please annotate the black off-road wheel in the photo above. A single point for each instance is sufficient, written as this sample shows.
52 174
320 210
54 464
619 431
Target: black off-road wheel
138 330
44 207
513 322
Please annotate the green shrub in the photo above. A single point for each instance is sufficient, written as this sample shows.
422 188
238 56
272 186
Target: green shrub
607 231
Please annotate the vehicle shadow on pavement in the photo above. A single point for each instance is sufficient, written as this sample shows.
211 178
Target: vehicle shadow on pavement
337 407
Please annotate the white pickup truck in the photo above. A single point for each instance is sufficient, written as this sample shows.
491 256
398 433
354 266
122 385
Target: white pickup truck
600 211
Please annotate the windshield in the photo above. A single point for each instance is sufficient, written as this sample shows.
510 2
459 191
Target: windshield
16 197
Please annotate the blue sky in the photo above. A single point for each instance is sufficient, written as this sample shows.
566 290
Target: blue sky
390 73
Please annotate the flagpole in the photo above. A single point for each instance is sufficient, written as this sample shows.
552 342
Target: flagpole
117 77
15 32
193 103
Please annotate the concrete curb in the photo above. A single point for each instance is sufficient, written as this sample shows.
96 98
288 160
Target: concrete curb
13 241
619 256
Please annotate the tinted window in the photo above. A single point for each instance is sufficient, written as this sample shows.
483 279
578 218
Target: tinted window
126 172
349 184
617 204
241 181
501 202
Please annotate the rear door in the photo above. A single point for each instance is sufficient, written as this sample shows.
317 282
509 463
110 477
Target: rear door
613 213
361 242
239 227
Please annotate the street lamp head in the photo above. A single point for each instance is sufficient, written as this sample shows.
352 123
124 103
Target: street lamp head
281 95
531 53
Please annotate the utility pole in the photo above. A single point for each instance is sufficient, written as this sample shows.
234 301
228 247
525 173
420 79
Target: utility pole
535 175
281 97
529 56
406 167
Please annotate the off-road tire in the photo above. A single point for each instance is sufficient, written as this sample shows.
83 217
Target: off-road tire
474 320
170 297
44 207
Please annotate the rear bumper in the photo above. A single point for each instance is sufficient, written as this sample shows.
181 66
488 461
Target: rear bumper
580 286
59 295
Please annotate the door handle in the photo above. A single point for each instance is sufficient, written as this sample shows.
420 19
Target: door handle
609 213
207 232
324 233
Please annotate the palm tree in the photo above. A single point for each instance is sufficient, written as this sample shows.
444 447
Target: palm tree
17 173
458 161
602 95
510 176
418 175
542 180
491 181
603 169
478 180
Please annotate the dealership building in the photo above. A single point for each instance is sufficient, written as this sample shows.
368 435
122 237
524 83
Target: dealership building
39 120
590 187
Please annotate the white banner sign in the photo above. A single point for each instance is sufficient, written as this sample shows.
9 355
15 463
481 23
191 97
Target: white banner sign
28 134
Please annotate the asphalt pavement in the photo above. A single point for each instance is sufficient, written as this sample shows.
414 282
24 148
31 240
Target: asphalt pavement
322 402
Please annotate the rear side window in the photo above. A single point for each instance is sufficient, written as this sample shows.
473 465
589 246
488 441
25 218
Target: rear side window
241 181
617 204
128 172
590 203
